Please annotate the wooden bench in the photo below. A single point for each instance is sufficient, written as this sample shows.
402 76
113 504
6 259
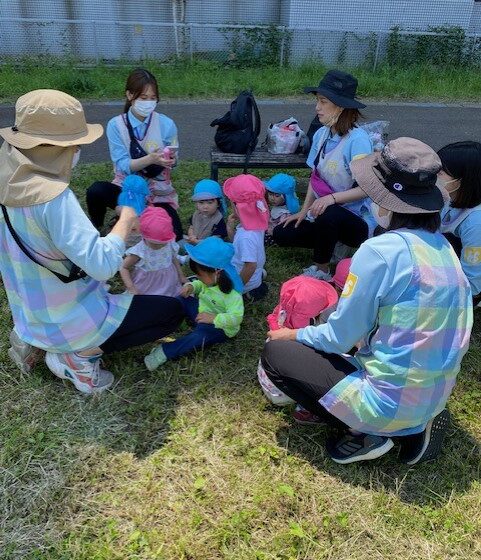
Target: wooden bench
260 159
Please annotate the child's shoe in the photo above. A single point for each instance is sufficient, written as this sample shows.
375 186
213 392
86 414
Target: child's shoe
303 416
315 272
85 373
183 259
155 359
24 355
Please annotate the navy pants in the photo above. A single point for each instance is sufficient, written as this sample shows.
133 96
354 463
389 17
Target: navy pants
203 334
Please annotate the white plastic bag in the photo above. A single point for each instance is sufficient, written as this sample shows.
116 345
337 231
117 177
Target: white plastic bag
284 137
377 131
271 392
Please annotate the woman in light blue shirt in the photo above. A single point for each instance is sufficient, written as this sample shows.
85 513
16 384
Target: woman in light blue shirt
461 218
141 141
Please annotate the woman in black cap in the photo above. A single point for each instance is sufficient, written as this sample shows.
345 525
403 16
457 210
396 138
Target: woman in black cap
409 303
333 210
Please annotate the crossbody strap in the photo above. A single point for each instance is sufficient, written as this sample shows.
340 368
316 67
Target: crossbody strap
75 272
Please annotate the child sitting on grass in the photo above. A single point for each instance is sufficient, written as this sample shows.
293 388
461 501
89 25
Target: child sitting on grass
283 201
151 266
247 194
213 302
208 218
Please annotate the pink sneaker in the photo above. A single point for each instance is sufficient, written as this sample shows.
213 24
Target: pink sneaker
24 355
303 416
85 373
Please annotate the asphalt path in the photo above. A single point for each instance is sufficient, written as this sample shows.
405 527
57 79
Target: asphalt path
435 124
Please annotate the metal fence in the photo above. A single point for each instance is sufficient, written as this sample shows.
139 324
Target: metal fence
274 32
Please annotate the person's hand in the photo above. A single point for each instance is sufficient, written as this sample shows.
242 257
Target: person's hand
187 290
283 334
129 216
192 239
158 158
298 217
205 318
319 206
232 221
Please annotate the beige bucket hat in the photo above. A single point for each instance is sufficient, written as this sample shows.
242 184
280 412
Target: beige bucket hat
48 116
402 178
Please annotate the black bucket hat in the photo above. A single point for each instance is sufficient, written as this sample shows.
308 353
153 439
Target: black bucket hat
340 88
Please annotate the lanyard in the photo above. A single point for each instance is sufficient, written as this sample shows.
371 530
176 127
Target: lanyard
322 150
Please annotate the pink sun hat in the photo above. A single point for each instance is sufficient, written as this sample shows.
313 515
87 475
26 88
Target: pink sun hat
248 193
156 225
342 272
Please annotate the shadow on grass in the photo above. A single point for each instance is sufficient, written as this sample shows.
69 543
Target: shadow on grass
433 483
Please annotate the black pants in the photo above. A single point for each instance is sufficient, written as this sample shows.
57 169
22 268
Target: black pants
102 195
148 318
335 224
305 374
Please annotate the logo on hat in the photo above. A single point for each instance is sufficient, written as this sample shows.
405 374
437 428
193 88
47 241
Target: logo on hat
397 187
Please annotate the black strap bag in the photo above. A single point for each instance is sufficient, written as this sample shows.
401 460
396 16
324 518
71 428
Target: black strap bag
136 152
238 130
75 271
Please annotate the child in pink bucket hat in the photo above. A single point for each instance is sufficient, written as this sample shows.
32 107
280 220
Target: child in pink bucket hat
248 196
151 266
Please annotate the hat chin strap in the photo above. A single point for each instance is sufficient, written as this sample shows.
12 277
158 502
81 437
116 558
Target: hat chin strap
333 120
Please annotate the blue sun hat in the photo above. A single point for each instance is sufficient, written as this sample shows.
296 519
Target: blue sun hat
214 252
281 183
135 191
207 189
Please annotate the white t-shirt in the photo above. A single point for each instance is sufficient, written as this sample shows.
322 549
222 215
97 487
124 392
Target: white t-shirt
249 247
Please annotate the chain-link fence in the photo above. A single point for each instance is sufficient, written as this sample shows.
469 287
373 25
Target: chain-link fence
346 33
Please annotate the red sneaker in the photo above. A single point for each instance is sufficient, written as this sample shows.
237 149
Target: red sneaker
303 416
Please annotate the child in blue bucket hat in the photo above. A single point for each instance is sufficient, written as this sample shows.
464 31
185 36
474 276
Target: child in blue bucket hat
213 302
282 198
211 209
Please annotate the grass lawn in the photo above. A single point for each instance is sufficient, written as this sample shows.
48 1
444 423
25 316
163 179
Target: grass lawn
205 79
192 463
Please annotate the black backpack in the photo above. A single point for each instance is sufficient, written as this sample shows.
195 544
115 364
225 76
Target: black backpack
238 130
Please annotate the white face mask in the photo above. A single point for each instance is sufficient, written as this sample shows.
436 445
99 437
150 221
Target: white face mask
76 158
383 221
144 107
443 185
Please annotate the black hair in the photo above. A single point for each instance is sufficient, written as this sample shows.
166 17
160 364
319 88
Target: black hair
429 222
462 160
224 282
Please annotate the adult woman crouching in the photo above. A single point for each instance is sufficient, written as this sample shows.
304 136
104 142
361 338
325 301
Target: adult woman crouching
461 218
333 210
406 304
52 260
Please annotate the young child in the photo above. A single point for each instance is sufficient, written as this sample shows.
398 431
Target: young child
217 308
151 266
247 193
208 218
282 198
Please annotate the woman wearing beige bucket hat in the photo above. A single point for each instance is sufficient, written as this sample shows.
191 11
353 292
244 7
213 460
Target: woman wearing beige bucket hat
408 300
52 260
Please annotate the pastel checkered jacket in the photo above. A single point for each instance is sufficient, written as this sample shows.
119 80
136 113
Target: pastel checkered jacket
416 332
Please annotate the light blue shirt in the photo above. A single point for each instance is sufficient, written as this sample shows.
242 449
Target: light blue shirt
119 152
469 232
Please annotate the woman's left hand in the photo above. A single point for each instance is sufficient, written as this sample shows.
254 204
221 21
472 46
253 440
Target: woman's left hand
205 318
319 206
283 334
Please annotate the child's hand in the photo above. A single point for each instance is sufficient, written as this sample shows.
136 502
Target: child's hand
192 239
232 221
283 334
205 318
187 290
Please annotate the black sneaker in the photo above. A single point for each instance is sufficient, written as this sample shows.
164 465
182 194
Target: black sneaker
361 447
427 445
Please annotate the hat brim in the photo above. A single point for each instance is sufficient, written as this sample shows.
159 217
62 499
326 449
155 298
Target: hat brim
204 196
363 173
339 100
27 141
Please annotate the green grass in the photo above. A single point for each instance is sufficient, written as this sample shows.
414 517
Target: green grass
205 79
191 463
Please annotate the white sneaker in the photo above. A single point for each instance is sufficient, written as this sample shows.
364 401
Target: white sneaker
85 373
315 272
183 259
24 355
